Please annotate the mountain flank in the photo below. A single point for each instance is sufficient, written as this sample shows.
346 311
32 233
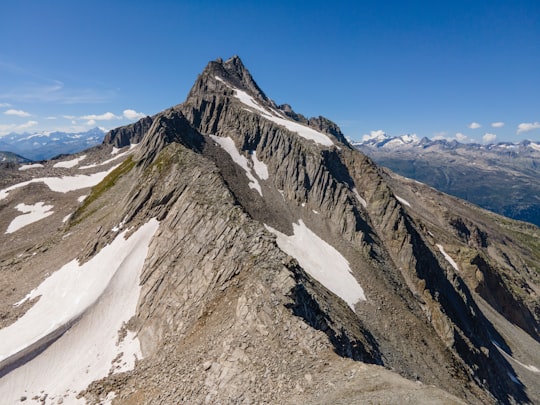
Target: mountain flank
242 253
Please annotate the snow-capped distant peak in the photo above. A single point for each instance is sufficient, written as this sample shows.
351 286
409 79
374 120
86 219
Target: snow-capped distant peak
535 146
381 139
375 137
410 138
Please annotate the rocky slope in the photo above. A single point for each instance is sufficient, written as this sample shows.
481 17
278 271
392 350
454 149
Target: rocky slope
286 267
503 178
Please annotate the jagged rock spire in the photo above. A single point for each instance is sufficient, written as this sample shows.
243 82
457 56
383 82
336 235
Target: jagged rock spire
233 72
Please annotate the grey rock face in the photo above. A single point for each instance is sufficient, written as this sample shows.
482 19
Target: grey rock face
130 134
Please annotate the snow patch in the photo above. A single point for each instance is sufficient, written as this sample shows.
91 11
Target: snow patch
106 161
250 102
32 213
77 322
66 218
109 398
322 261
81 198
63 184
228 146
31 166
70 163
261 170
359 198
447 257
525 366
274 116
403 201
117 228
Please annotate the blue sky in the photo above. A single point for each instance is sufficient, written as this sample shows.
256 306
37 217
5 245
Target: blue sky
432 68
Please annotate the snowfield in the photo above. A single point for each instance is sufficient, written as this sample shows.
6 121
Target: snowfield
63 184
228 145
30 166
32 213
70 163
73 330
302 130
321 261
116 156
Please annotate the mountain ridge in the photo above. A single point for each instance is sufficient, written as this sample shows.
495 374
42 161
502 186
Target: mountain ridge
384 140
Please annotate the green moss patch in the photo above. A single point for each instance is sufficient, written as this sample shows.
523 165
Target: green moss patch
99 189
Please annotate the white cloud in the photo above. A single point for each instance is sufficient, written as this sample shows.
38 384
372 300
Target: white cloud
497 124
50 118
379 134
133 115
18 113
28 124
7 128
439 136
69 117
101 117
489 137
527 126
474 125
91 122
5 105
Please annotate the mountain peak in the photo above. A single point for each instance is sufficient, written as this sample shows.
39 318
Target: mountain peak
223 77
231 71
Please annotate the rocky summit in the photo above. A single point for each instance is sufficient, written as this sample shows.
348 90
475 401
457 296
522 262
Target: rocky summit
229 250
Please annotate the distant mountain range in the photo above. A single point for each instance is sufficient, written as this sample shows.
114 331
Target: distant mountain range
502 177
46 145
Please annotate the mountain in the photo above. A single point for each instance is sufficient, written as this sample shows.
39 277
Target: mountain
503 178
9 157
46 145
229 250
